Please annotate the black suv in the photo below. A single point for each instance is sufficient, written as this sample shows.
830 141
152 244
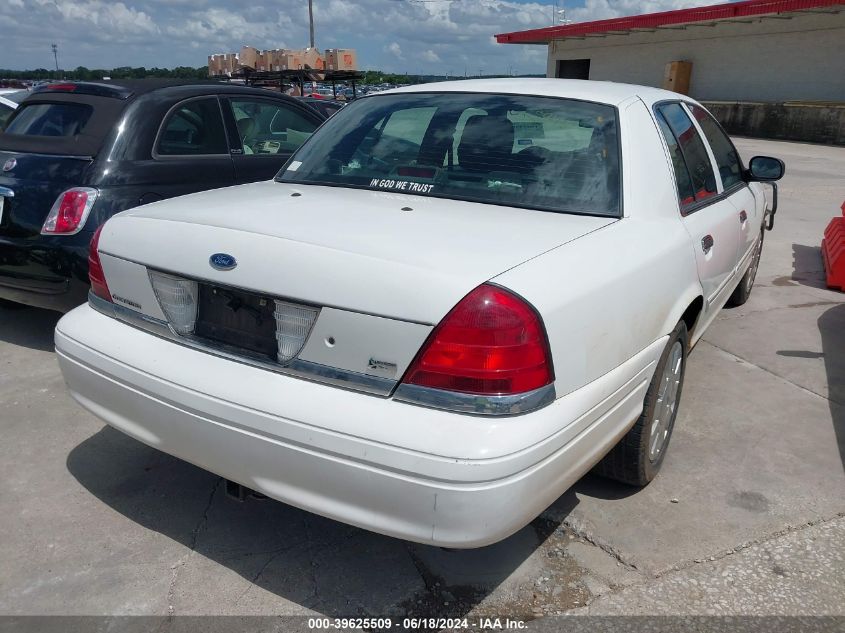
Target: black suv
75 153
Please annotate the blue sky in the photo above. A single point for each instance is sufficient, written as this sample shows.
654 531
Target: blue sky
436 36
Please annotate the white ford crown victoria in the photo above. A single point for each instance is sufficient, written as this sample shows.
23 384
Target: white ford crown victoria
453 302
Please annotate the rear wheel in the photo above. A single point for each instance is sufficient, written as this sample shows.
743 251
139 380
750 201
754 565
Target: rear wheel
743 290
637 458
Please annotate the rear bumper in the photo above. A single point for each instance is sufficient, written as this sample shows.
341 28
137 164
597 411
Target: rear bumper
49 273
406 471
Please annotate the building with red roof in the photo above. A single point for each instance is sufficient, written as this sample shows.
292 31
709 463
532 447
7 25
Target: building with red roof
772 68
757 50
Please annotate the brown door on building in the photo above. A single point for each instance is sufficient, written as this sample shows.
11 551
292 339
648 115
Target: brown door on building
573 69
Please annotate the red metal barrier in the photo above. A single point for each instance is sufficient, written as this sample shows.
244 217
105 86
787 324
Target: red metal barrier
833 252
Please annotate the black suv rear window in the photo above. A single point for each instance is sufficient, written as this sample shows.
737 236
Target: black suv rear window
67 124
50 119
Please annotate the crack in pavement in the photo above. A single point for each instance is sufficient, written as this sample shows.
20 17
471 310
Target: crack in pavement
771 536
579 528
252 581
309 547
771 373
178 565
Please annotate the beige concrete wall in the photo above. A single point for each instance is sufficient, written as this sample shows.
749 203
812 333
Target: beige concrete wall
802 58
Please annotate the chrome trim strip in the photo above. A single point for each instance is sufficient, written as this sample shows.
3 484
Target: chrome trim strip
306 370
475 404
17 153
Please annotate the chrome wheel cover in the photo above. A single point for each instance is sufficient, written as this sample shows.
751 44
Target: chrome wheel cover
667 401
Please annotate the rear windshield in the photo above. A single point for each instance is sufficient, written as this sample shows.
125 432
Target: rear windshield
536 152
50 119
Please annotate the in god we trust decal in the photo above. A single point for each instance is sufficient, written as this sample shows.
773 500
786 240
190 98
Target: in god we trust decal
401 185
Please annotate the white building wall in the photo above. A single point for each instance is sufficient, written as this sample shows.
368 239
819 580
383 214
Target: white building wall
775 60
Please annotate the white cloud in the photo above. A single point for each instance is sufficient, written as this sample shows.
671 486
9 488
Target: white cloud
394 49
109 19
437 37
603 9
430 56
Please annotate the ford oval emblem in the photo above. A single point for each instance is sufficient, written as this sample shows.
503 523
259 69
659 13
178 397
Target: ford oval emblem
222 261
9 165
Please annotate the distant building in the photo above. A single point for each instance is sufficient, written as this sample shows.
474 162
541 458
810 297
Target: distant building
279 59
249 57
222 64
765 67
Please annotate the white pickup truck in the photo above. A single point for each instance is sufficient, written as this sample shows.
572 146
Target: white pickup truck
453 301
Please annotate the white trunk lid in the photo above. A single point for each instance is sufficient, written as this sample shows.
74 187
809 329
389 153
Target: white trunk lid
399 256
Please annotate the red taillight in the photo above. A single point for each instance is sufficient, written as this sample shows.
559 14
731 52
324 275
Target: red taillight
95 268
491 343
61 87
70 211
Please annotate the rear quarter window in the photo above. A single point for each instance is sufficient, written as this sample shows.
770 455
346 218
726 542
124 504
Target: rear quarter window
193 128
50 119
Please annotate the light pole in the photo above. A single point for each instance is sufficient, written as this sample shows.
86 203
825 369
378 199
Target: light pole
56 57
311 20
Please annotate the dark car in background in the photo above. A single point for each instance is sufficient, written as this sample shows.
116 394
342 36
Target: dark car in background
326 107
9 100
75 153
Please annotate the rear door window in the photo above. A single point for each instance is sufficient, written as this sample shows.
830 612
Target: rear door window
727 158
193 128
50 119
673 119
686 194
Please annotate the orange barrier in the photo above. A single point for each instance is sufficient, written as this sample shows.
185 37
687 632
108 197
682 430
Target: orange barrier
833 252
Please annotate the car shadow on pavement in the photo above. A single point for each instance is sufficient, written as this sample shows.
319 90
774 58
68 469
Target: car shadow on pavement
601 488
28 327
310 561
832 327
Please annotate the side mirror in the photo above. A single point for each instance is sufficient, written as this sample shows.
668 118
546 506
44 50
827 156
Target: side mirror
766 169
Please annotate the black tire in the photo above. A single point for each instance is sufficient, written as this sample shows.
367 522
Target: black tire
631 461
743 290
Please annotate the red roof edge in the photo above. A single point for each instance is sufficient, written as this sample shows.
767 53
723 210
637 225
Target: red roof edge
664 18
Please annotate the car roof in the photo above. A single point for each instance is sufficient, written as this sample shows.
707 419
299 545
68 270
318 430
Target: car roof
107 109
139 87
608 92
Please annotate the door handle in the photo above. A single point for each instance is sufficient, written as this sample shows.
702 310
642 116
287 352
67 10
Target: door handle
743 216
707 243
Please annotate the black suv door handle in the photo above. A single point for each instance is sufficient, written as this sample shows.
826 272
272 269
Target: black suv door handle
707 243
